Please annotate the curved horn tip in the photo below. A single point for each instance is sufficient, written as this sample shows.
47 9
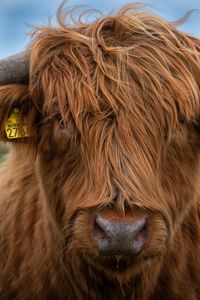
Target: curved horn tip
15 68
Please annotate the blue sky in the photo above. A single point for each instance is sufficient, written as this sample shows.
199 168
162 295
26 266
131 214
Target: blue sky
15 15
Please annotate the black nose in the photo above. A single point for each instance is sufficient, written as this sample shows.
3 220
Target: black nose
120 236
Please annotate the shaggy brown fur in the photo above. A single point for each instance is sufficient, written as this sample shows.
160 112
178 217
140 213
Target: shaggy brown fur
114 109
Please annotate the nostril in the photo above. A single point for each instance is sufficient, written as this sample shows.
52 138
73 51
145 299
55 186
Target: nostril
139 225
140 237
144 227
99 234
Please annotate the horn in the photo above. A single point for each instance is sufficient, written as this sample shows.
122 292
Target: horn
15 68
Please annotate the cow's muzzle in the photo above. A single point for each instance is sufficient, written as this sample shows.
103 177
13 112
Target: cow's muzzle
120 236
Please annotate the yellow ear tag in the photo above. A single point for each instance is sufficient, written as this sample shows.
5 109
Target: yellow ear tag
16 126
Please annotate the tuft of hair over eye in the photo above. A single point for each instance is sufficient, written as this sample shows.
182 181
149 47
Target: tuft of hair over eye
60 121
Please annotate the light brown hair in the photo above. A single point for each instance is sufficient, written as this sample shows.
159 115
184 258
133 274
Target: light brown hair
113 106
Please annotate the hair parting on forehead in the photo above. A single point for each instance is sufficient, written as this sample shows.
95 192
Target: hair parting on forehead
131 62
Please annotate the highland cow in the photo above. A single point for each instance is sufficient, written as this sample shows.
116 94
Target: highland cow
100 191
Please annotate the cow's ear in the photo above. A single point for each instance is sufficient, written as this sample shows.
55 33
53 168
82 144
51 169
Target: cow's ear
17 113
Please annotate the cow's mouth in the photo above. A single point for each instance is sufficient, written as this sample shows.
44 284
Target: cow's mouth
117 263
113 263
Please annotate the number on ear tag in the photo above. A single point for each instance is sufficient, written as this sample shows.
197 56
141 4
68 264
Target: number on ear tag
16 126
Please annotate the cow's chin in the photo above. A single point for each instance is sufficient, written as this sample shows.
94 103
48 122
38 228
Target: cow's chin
121 267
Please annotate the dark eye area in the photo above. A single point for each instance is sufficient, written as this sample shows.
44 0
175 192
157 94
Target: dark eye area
59 120
182 119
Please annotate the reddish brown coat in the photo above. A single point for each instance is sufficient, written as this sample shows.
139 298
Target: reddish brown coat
113 106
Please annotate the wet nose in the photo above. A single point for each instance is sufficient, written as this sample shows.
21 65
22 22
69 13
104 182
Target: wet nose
120 237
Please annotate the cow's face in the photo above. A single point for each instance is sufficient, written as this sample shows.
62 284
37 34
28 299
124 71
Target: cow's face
119 186
118 150
117 138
